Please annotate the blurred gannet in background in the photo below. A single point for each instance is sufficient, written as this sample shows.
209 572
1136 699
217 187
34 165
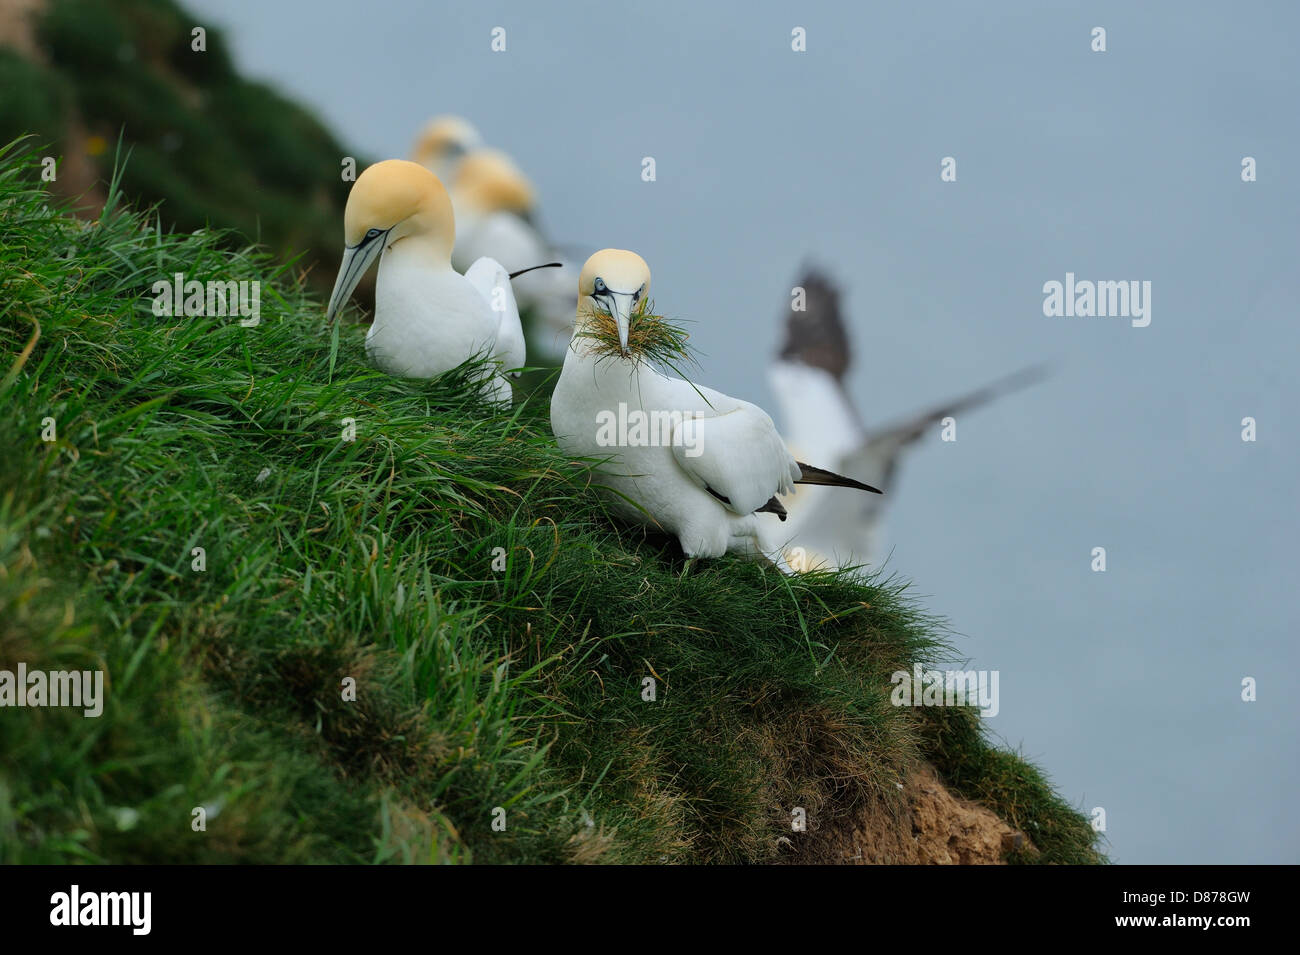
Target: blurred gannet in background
828 530
443 143
428 318
713 463
493 200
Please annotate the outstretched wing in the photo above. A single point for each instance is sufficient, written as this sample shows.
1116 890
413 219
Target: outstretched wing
736 455
878 457
493 283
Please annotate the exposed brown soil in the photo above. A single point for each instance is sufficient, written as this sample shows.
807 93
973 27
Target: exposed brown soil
926 825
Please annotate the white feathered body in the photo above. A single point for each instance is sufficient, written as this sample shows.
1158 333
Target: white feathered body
716 441
507 238
428 320
826 527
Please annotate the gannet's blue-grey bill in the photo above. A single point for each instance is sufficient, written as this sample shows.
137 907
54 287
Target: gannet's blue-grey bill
620 305
356 259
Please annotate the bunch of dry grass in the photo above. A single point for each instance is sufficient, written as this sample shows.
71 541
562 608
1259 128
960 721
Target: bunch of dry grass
650 338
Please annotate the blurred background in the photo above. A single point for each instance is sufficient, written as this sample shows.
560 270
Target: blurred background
1125 685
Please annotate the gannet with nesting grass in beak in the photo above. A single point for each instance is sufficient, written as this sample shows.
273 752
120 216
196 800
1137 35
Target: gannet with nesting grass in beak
827 530
443 143
428 318
706 464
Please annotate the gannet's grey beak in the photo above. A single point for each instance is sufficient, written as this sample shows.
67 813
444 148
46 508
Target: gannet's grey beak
356 259
620 304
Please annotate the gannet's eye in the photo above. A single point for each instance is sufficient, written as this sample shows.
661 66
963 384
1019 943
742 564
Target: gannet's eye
600 286
639 292
373 233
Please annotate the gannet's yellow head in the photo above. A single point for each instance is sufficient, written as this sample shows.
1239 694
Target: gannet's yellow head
391 201
443 142
617 280
488 180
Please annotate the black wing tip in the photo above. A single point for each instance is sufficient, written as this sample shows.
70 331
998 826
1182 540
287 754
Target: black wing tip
545 265
1021 378
816 475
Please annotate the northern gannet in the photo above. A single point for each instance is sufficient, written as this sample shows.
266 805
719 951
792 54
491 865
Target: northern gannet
443 143
701 464
494 203
828 530
428 318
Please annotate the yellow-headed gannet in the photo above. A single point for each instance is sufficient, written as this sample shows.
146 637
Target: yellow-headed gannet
428 318
494 203
689 460
443 143
830 530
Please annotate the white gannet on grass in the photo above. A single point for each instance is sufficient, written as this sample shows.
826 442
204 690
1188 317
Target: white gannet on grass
494 204
443 143
711 463
828 530
428 318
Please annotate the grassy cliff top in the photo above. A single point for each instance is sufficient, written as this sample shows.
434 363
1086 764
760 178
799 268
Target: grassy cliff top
223 151
446 560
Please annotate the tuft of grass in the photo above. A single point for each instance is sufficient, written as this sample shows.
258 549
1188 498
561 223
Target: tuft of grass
650 337
346 617
223 152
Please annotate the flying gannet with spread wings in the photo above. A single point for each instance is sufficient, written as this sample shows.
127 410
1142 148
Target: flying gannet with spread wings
822 422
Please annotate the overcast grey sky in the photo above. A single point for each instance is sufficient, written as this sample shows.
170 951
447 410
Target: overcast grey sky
1125 685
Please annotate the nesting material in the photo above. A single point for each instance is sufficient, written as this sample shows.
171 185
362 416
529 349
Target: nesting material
650 337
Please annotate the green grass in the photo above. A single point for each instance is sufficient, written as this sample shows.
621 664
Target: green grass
222 151
479 684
